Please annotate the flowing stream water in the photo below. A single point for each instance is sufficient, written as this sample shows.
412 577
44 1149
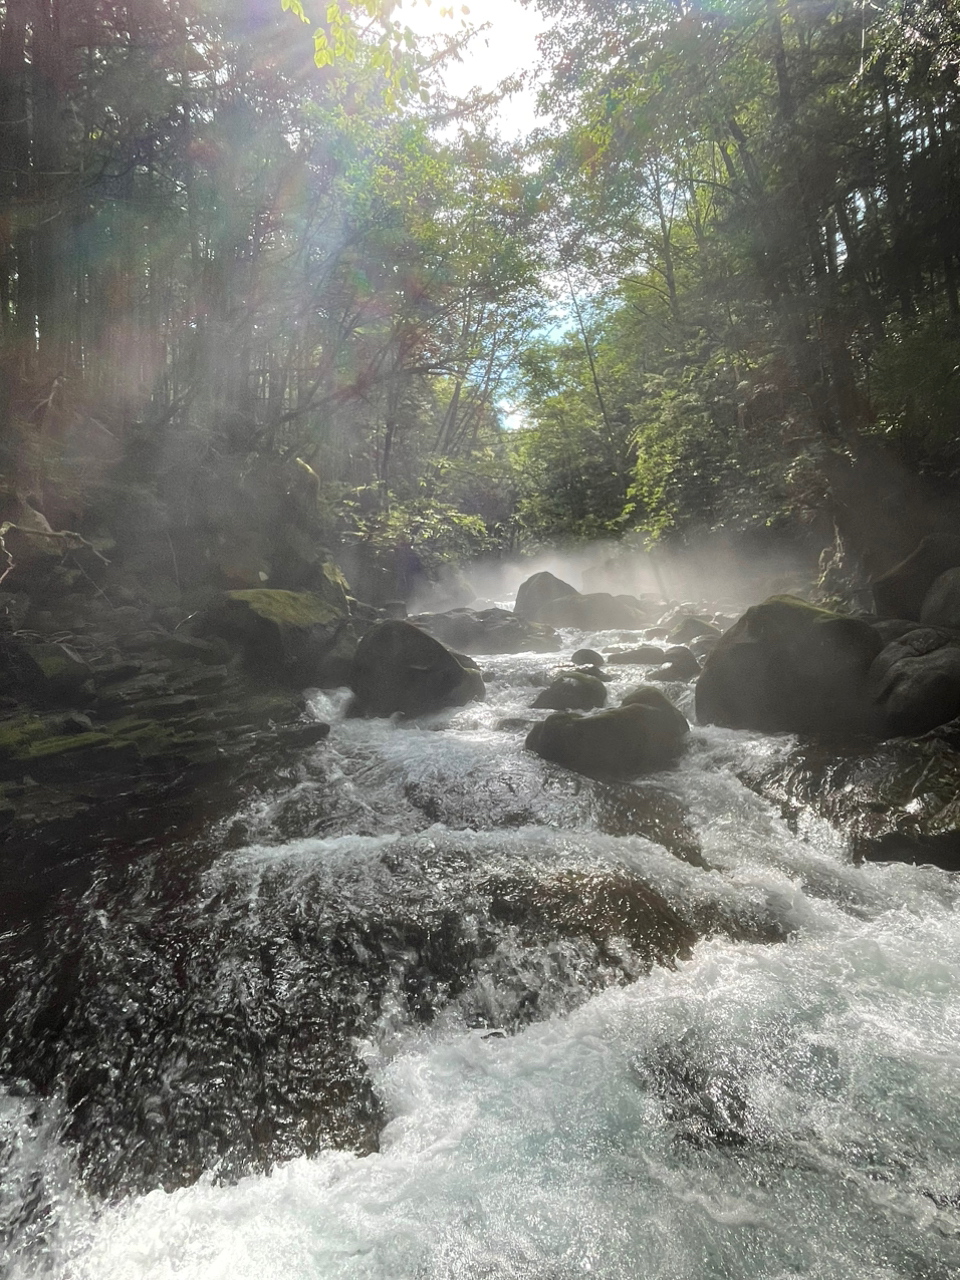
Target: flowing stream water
440 1010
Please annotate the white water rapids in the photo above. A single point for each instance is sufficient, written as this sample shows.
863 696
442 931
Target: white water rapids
763 1109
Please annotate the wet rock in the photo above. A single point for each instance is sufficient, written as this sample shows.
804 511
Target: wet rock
692 628
643 655
915 682
941 604
645 809
46 674
587 658
893 800
678 664
597 673
609 909
572 691
622 742
488 631
787 666
399 668
900 593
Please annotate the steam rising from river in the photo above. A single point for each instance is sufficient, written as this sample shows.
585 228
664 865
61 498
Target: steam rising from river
725 573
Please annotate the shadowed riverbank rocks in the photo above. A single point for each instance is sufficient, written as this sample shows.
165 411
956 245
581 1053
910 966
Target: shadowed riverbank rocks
897 800
399 668
902 591
787 666
646 733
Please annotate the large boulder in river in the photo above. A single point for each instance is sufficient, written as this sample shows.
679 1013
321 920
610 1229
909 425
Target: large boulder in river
539 590
488 631
941 604
900 593
787 666
573 691
547 598
622 742
915 682
596 611
399 668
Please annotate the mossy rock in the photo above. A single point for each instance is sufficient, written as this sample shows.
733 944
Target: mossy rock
789 666
283 636
288 608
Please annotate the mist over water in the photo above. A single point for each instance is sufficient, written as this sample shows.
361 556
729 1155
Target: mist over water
380 1026
720 572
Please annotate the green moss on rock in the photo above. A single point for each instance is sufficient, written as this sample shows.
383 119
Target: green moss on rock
289 608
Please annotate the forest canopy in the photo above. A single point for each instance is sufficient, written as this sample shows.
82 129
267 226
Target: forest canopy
247 260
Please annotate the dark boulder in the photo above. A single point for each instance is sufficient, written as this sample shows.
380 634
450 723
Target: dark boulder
573 690
622 742
901 591
787 666
587 658
941 605
399 668
889 629
538 591
597 672
915 682
678 664
488 631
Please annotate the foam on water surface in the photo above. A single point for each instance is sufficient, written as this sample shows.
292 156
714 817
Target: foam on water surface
762 1110
756 1113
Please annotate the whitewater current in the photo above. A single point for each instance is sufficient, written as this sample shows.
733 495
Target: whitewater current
327 1041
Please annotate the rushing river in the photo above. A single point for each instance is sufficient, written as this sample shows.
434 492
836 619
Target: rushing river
442 1011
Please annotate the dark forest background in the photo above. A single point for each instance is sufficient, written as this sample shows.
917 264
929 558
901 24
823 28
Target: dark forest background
720 285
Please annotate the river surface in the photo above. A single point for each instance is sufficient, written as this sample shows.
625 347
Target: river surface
439 1010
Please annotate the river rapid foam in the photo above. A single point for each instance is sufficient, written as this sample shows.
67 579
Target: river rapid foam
356 1036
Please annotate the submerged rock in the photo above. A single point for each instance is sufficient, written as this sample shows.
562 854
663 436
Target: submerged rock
573 690
623 742
788 666
399 668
